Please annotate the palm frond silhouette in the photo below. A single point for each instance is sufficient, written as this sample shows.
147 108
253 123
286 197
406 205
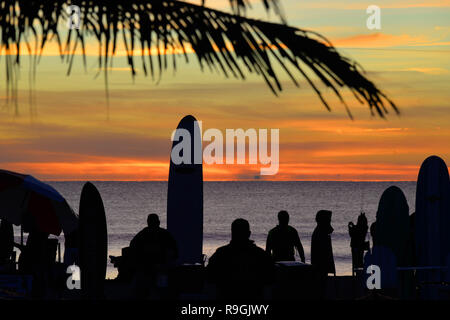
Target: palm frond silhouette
162 30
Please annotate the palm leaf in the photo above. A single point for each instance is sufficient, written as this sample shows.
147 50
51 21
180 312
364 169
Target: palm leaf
239 6
231 43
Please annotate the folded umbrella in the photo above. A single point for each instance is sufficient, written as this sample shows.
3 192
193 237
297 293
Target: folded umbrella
25 200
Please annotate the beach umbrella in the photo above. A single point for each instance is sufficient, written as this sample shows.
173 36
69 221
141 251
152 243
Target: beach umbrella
27 201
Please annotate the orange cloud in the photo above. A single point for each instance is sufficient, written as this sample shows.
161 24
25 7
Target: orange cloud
70 137
380 40
384 4
122 170
433 71
91 49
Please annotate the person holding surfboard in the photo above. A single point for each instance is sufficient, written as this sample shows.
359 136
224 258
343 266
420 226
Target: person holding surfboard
283 240
240 270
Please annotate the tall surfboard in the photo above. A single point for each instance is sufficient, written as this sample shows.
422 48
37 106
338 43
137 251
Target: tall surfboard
393 248
392 228
185 191
93 243
432 225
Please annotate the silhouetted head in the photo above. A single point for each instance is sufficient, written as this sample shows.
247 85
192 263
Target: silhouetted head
362 220
283 218
153 220
323 217
240 230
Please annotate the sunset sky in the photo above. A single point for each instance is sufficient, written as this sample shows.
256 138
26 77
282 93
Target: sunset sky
69 133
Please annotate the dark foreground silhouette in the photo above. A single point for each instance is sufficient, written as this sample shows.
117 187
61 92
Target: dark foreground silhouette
149 258
321 249
283 240
153 245
240 269
36 259
358 241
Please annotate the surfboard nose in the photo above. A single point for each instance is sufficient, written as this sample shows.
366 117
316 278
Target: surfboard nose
187 119
434 158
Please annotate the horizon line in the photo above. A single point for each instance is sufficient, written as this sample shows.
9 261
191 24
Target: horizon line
253 180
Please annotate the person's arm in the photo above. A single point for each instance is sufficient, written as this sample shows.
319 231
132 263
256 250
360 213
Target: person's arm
134 241
299 246
269 243
212 268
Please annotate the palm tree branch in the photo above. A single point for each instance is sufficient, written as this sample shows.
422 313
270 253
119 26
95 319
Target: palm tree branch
239 7
232 43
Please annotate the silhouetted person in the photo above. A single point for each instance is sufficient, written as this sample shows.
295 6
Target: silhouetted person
6 242
72 248
154 244
358 241
240 269
321 249
283 240
34 260
154 250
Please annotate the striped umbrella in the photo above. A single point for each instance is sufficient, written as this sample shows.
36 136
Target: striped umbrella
25 200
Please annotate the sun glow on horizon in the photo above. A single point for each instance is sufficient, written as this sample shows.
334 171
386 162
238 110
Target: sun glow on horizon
67 130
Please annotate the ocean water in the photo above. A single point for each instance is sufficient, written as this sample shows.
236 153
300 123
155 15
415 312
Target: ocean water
127 205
